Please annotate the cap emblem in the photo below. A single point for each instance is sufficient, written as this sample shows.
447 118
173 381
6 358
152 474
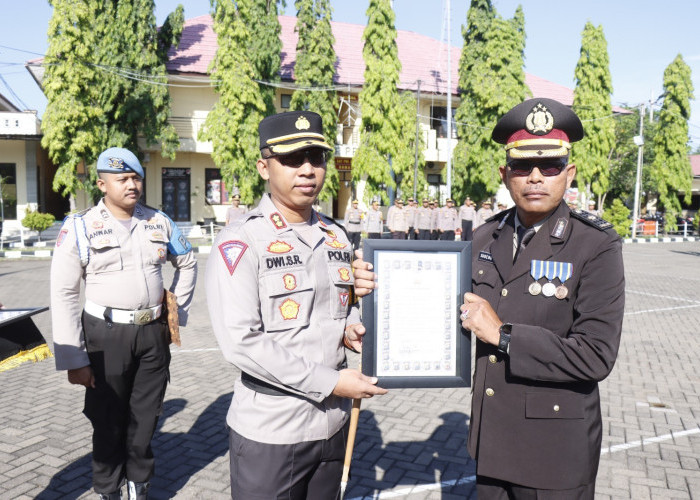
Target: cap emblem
539 121
117 163
302 123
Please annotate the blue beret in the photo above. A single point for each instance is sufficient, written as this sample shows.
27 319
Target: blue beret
118 161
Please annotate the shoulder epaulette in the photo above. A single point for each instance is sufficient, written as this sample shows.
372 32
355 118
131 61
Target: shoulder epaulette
591 219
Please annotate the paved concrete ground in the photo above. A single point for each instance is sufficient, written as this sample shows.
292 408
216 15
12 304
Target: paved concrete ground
411 443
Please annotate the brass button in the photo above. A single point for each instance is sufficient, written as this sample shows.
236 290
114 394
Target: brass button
489 392
492 358
504 292
556 407
481 271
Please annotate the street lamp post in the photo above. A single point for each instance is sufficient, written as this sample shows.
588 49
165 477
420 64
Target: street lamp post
639 141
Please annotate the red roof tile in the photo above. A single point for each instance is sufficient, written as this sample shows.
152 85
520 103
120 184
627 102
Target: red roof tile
695 165
422 58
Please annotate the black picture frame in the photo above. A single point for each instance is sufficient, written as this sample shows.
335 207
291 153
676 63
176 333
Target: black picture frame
378 252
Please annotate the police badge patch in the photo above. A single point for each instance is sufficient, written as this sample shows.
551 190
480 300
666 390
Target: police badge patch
289 309
232 251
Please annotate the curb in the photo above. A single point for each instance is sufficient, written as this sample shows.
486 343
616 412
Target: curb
665 239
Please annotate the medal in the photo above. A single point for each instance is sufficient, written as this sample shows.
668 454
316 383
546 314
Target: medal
561 292
536 271
550 272
548 289
535 288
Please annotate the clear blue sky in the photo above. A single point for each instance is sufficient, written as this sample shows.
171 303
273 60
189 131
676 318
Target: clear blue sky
643 38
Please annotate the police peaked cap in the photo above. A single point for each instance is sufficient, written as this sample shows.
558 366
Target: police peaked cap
291 131
538 128
119 161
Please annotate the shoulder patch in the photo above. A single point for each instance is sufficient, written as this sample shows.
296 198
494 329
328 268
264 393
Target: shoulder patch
591 219
232 251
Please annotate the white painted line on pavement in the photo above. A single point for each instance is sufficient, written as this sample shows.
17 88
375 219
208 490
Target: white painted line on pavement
661 310
642 442
663 296
418 488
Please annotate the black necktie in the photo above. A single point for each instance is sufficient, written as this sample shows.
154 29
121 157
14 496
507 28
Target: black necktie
524 237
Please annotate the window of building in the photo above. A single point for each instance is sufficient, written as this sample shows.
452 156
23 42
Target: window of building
217 194
286 100
8 182
438 121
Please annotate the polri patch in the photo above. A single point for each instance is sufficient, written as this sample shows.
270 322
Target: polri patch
232 251
485 257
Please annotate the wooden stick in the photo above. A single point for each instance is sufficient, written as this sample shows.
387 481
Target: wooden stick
352 431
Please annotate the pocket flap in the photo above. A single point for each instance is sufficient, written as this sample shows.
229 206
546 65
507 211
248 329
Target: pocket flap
285 282
553 405
102 242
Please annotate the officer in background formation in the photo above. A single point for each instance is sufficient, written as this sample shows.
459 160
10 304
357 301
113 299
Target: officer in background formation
434 214
116 345
353 224
374 223
235 211
280 295
397 220
546 308
447 221
411 210
424 219
483 214
466 216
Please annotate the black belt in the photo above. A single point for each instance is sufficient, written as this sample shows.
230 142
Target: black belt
257 385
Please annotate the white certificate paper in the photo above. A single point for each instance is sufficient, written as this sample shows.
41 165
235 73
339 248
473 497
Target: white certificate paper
417 308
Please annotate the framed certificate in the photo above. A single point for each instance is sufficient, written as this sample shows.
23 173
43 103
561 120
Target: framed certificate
414 335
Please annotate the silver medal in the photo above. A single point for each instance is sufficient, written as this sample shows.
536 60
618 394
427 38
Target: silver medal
535 288
548 289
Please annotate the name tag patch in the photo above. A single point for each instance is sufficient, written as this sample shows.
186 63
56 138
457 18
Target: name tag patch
485 257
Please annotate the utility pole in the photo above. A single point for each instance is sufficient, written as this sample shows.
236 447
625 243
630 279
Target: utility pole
639 141
415 166
449 102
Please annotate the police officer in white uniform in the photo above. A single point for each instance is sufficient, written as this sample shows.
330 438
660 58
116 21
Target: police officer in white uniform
116 345
374 224
281 301
353 224
447 221
235 211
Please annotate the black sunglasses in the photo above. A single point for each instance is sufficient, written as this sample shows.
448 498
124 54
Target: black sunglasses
316 157
548 168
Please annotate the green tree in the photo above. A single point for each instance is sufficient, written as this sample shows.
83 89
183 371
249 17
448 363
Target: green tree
592 104
381 139
671 171
264 46
37 221
619 216
232 124
315 68
101 65
491 81
404 162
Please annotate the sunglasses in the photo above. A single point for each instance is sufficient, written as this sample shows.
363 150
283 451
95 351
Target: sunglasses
315 156
548 168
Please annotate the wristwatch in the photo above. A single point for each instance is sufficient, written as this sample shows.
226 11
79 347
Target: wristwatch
504 341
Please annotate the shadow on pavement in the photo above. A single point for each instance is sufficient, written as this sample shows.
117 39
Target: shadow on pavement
442 458
179 455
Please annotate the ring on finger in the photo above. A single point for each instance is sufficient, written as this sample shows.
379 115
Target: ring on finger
464 315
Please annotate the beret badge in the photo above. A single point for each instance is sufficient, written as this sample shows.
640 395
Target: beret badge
539 121
302 123
117 163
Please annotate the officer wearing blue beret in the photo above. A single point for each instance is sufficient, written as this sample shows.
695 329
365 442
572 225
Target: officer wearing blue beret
116 343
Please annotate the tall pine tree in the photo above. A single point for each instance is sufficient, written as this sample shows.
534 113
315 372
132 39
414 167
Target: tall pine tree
381 138
671 171
491 81
118 50
264 46
315 67
232 125
592 104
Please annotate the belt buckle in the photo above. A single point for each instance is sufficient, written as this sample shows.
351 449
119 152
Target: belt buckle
142 317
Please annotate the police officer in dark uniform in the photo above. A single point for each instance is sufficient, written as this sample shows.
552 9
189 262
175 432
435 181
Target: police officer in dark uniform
546 308
116 344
